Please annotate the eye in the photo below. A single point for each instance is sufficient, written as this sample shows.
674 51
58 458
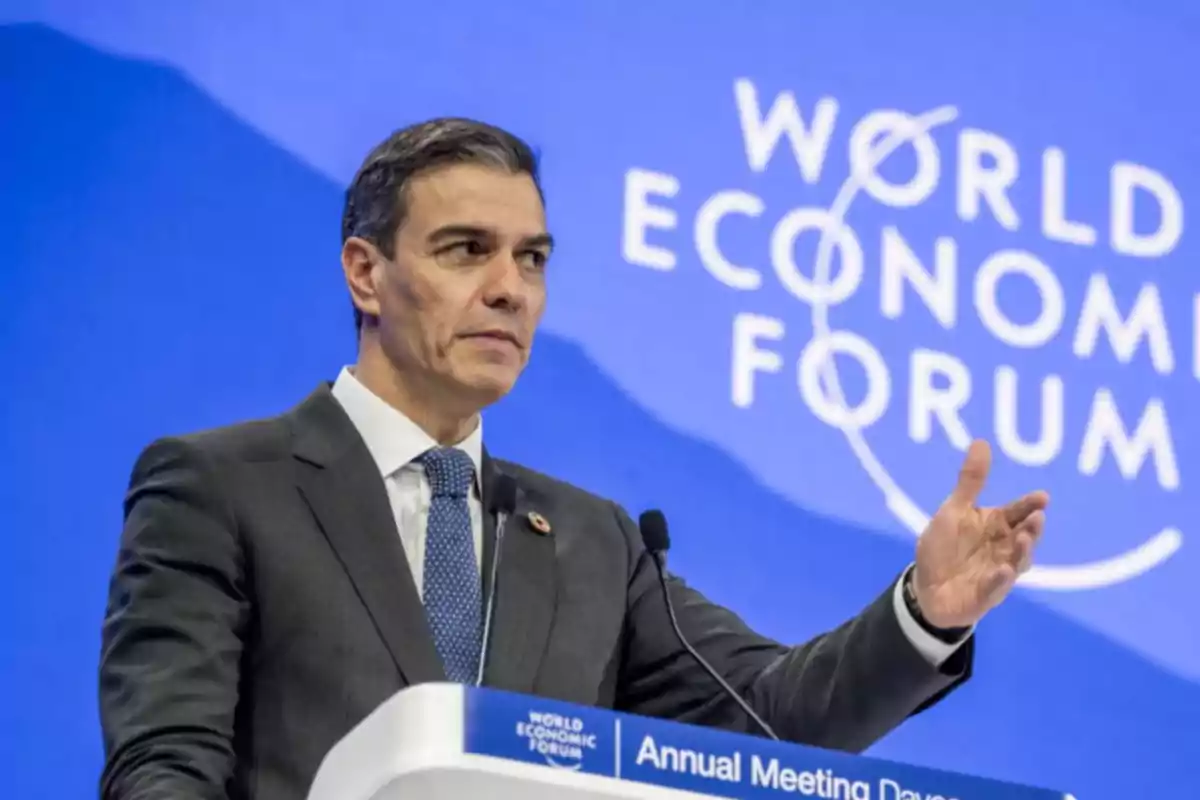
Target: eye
466 250
534 259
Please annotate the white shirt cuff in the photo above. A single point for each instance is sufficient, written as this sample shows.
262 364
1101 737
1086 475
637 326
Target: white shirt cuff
932 648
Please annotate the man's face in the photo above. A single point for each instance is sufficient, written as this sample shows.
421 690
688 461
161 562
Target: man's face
460 301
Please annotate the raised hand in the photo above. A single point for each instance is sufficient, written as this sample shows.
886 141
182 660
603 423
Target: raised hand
969 557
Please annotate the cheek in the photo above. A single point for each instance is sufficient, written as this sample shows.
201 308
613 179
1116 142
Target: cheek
413 300
439 317
406 326
537 306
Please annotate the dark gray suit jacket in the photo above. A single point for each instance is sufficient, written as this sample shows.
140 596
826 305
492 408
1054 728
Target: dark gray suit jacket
261 606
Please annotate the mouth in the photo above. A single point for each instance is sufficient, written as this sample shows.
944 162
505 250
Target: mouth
496 335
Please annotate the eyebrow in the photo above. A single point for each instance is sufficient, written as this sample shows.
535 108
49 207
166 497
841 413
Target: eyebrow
475 232
540 240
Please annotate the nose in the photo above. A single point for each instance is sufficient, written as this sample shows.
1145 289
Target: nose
506 287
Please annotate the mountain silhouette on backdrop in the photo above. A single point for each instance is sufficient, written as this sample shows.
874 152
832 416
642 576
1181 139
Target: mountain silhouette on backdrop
167 268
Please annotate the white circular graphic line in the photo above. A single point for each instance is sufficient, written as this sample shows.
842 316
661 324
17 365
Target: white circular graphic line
1092 575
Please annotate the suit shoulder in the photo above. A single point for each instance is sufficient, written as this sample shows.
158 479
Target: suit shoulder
255 440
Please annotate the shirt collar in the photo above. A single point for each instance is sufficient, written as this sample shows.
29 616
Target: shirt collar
393 439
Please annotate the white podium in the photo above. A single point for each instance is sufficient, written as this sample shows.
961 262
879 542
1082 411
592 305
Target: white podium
414 746
444 741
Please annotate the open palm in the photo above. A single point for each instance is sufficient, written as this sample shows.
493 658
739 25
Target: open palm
969 557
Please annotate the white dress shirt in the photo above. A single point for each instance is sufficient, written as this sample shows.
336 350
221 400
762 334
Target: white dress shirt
934 649
395 441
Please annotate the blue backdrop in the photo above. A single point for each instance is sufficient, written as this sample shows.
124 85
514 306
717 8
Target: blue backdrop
983 212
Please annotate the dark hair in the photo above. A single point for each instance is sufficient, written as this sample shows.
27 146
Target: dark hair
374 207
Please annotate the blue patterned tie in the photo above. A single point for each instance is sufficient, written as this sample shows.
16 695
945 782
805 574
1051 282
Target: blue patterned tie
451 581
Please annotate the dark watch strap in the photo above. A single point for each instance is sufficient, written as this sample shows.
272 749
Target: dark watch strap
947 635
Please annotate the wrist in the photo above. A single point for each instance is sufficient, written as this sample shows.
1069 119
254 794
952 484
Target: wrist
909 593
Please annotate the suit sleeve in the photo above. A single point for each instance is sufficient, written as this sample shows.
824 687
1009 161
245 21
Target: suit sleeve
842 690
172 634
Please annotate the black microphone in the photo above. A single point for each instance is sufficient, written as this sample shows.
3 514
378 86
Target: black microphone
503 503
654 533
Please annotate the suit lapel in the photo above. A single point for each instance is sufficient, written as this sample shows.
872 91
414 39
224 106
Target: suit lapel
341 484
488 551
526 595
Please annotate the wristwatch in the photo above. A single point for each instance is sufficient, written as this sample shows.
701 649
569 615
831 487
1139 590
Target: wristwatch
947 635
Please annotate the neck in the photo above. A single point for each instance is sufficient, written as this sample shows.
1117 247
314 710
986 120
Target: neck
446 421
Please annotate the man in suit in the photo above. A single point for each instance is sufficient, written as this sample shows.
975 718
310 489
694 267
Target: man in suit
277 580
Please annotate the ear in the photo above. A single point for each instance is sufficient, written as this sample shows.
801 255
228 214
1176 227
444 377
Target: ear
359 260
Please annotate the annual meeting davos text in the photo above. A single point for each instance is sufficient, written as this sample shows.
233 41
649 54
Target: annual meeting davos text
769 773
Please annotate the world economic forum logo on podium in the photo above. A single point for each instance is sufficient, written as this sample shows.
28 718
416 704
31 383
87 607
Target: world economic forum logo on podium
1060 331
563 741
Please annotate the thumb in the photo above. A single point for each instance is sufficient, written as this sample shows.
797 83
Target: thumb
973 474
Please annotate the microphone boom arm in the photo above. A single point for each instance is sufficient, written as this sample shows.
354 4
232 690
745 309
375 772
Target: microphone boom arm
716 676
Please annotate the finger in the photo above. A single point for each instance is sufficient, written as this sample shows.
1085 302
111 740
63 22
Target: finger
973 474
1022 556
1033 525
997 583
1020 509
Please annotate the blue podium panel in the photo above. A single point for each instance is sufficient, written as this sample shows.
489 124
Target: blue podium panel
695 759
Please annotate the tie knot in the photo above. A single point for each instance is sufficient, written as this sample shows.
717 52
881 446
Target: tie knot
449 470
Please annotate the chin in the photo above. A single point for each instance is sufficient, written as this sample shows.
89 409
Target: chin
490 385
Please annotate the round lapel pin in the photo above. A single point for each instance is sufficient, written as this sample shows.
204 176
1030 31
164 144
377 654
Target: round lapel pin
538 522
